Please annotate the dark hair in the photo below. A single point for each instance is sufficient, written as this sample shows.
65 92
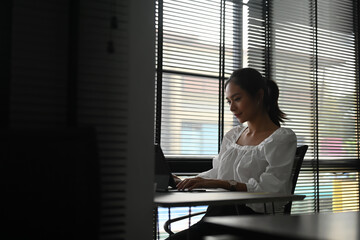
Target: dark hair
251 81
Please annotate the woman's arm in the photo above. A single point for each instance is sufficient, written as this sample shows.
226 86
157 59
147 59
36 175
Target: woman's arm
208 179
198 182
228 138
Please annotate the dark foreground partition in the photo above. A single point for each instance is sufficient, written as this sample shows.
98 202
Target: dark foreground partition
49 184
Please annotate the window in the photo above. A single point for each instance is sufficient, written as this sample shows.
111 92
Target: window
199 45
310 50
309 47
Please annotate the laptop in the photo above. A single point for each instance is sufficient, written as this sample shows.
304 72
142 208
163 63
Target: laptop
163 177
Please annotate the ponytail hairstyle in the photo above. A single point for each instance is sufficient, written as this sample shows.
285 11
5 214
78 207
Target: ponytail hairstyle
251 81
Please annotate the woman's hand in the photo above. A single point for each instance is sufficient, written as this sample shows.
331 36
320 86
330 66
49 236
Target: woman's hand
198 182
176 179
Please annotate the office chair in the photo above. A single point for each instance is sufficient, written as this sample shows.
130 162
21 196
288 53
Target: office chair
299 157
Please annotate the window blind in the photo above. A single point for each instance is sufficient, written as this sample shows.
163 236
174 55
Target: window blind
308 47
199 45
338 95
292 60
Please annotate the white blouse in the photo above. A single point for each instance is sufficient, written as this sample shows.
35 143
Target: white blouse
265 167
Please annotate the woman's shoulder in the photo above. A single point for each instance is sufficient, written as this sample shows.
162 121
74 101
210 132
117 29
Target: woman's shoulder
284 134
234 132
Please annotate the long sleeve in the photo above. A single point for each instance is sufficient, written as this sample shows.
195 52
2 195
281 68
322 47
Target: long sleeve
229 137
212 173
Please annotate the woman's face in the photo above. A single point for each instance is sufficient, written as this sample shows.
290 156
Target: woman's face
241 104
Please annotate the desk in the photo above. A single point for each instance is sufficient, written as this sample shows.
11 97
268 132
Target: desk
188 199
211 197
324 226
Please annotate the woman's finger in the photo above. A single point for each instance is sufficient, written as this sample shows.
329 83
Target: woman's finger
182 184
186 184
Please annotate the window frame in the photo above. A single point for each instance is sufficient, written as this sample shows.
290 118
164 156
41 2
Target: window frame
191 165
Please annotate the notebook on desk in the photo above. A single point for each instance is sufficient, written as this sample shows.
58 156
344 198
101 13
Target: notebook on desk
163 176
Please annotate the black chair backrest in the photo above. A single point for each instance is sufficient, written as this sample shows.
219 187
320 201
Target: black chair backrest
299 157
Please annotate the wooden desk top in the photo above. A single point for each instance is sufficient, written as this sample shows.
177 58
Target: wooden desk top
324 226
181 199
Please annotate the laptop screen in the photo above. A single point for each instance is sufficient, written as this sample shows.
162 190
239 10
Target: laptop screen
163 176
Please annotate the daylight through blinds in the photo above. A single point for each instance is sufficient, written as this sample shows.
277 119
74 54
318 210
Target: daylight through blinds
201 45
308 47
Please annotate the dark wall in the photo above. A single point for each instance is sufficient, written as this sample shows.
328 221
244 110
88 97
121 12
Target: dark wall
5 60
69 63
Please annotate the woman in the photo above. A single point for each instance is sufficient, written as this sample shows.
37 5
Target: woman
253 158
